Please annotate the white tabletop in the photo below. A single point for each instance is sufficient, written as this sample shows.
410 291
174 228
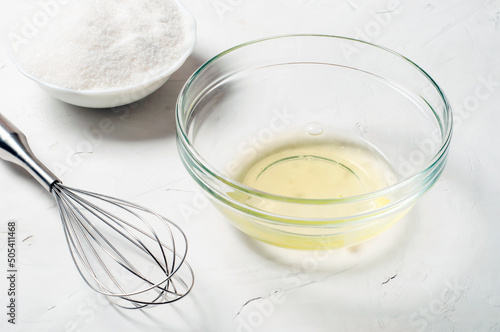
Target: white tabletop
436 270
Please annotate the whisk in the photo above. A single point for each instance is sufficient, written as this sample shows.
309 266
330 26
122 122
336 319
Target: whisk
126 252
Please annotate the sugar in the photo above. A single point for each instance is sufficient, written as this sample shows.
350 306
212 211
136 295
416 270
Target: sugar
104 44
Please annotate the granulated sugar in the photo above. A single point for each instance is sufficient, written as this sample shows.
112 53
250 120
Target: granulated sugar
102 44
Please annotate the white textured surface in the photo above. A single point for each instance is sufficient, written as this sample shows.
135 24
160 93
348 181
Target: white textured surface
437 270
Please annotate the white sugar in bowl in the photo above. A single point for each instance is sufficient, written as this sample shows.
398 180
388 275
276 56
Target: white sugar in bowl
103 58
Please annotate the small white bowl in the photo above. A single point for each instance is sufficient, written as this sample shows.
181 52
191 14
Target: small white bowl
117 96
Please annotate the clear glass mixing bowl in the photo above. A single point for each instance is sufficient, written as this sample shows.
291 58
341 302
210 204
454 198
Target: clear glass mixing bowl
344 98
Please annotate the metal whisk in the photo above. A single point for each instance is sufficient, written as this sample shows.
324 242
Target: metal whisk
126 252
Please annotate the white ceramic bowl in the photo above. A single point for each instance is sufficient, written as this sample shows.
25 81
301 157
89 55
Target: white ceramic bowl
117 96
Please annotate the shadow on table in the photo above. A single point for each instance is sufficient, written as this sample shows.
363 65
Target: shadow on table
150 118
373 252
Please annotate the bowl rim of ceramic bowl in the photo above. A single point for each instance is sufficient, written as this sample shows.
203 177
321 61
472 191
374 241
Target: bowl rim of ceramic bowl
446 130
165 73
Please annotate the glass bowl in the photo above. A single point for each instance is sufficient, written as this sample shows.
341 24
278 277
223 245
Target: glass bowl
312 141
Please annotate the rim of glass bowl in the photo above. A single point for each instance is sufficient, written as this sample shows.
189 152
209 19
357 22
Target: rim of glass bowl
447 125
169 71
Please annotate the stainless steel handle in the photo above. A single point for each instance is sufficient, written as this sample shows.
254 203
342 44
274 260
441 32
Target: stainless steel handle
14 148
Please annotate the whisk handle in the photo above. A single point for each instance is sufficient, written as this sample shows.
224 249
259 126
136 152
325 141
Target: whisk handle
14 148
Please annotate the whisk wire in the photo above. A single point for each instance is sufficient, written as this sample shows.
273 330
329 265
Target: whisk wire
137 242
126 264
121 204
112 217
67 196
74 242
